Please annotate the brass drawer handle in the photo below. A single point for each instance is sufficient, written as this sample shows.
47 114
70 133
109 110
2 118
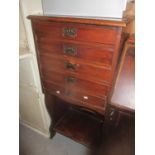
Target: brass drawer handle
70 80
70 32
70 66
70 50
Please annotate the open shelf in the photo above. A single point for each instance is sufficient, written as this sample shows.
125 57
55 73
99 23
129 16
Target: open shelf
80 126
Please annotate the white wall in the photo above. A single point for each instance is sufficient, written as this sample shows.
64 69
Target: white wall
29 108
32 108
99 8
29 7
22 34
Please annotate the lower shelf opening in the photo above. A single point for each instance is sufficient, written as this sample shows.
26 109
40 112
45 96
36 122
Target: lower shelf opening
81 127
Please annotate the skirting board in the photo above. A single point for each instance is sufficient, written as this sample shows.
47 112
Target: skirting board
47 135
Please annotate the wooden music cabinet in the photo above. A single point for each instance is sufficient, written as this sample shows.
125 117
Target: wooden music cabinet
77 60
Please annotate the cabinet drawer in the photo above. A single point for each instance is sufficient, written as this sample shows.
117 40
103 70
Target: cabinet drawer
75 83
76 67
95 53
77 32
76 97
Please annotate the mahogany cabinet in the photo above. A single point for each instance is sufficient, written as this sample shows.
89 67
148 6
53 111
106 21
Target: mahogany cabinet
77 60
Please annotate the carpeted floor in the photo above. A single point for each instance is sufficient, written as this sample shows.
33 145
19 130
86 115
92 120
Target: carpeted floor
32 143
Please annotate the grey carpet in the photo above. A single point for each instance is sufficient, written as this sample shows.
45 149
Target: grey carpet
32 143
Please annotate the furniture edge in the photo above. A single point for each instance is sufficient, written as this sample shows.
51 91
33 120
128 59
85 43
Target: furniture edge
102 22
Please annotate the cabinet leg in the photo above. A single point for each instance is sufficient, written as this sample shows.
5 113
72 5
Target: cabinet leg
52 132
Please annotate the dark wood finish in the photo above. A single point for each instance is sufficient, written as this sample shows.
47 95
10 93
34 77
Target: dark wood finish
68 81
77 61
94 53
76 97
55 31
108 22
124 93
66 119
119 135
80 69
119 124
71 123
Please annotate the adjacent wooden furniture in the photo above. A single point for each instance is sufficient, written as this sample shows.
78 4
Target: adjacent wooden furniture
119 125
77 60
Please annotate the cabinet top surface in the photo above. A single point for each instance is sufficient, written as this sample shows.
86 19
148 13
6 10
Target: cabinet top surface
82 20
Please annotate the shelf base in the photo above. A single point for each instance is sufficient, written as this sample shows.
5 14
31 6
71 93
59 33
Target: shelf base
81 127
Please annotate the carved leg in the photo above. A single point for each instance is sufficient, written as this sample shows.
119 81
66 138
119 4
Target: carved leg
52 132
55 109
50 108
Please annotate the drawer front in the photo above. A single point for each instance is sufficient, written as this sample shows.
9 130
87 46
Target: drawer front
76 97
75 67
77 32
96 53
74 83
